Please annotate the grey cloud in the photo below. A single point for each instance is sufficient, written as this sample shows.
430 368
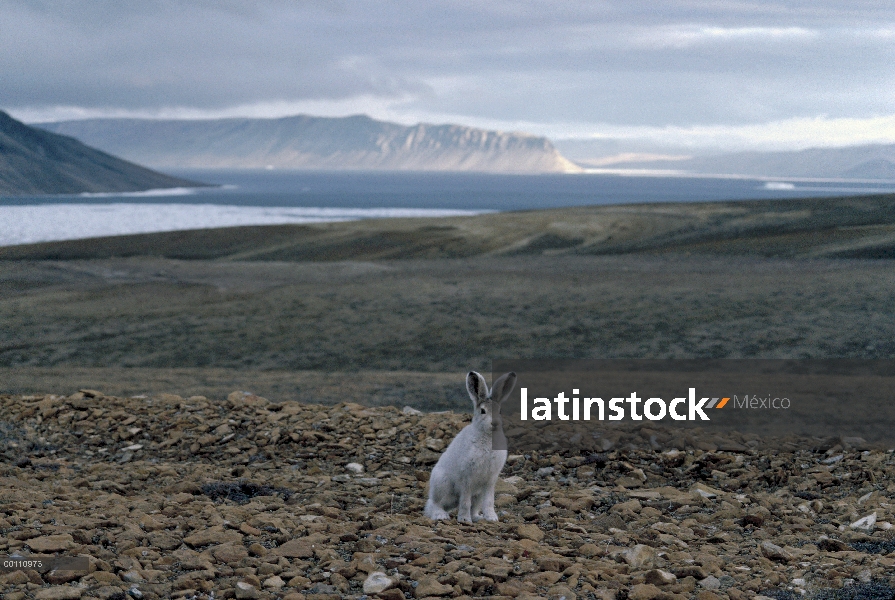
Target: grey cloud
523 60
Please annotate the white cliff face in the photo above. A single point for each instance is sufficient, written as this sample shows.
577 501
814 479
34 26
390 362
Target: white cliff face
304 142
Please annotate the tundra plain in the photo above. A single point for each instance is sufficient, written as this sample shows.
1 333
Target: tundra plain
219 413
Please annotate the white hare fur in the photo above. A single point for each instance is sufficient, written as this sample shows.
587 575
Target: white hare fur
465 475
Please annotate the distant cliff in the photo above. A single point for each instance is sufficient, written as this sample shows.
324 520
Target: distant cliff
875 161
871 161
304 142
34 161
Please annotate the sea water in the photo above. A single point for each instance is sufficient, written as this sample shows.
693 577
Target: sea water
276 197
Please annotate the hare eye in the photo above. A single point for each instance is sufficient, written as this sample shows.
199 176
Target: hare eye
484 411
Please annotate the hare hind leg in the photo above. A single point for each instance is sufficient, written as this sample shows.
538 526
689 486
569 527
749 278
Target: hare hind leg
435 512
476 511
464 509
488 505
442 497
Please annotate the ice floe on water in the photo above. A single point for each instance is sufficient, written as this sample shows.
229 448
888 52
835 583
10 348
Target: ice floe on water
53 222
779 185
177 191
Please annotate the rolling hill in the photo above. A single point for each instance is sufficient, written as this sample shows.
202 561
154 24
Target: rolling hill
34 161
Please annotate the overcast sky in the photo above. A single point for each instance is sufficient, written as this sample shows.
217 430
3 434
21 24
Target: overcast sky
727 74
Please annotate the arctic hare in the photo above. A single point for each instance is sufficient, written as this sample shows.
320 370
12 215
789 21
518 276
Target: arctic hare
465 475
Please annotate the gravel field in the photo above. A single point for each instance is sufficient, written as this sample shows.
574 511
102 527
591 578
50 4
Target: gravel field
245 498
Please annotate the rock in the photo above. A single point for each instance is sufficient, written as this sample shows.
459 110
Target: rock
51 543
257 549
213 535
275 582
755 520
244 399
659 577
429 586
435 444
711 583
56 577
245 590
249 530
298 548
544 578
15 578
229 553
149 523
530 532
774 552
697 573
644 591
497 571
59 592
377 582
866 523
560 592
640 556
632 506
610 521
830 545
629 482
703 491
164 541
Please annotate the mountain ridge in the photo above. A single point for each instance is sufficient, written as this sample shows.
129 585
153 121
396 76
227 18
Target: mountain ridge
356 142
35 161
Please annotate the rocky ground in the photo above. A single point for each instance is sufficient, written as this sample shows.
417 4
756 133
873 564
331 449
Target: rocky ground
194 498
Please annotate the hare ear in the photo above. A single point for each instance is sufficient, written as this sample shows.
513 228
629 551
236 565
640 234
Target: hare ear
477 388
503 387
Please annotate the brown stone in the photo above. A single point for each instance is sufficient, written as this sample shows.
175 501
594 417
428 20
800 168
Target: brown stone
530 532
229 553
659 577
164 541
14 578
59 592
213 535
644 591
52 543
544 578
774 552
640 556
429 586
